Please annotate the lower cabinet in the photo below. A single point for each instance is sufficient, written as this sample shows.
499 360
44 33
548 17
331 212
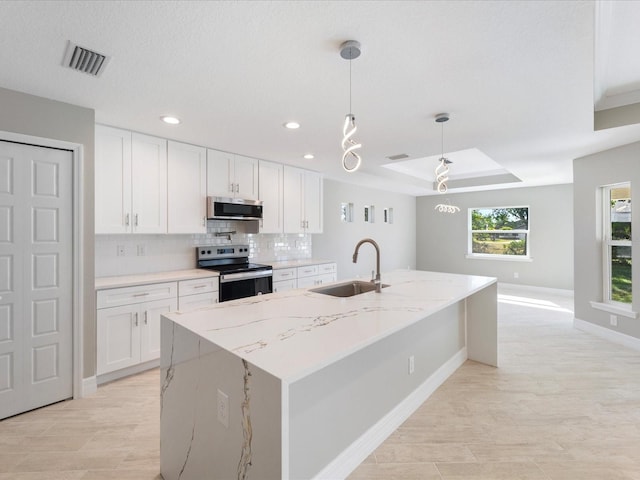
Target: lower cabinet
304 277
197 293
129 334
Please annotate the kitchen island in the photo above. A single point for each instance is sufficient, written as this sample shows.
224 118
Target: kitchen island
299 384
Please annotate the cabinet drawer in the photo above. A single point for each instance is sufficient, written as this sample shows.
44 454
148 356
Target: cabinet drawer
284 285
325 278
327 268
115 297
197 285
307 271
284 274
190 302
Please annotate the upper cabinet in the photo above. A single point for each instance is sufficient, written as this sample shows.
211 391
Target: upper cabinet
271 190
302 201
187 188
131 186
230 175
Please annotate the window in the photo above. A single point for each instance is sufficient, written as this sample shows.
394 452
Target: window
499 232
617 243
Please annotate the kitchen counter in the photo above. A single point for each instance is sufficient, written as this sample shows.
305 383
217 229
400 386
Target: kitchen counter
318 374
102 283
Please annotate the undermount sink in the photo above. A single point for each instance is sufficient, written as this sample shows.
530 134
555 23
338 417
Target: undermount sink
347 289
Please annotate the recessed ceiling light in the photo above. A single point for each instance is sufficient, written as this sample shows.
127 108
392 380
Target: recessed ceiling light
309 156
170 120
292 125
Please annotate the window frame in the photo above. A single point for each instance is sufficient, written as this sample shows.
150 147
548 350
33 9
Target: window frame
608 243
496 256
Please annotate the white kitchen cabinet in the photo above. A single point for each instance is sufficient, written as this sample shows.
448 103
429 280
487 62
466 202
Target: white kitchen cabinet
128 324
187 188
302 201
231 175
197 293
131 182
271 192
284 279
314 275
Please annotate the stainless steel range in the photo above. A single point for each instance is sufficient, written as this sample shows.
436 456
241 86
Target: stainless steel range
238 277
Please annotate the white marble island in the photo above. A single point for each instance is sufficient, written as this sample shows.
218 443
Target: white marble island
314 383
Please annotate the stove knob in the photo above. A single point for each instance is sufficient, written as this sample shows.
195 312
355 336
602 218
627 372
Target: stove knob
209 252
201 252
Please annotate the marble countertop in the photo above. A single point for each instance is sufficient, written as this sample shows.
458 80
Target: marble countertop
295 333
148 278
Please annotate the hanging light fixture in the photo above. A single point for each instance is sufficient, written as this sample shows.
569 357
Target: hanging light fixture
442 170
350 159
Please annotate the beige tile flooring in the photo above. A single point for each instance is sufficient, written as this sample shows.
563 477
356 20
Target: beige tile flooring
563 405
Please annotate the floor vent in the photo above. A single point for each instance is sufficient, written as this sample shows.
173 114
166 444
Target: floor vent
400 156
84 60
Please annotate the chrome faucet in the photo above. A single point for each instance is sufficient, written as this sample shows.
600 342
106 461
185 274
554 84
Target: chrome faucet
377 281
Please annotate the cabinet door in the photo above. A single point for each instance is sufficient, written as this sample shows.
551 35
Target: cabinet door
191 302
150 327
187 188
284 285
113 180
293 200
149 184
246 176
271 193
118 338
313 202
220 181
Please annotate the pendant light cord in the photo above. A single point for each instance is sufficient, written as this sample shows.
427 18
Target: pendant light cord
350 55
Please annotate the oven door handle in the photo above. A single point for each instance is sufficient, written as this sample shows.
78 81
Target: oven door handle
234 277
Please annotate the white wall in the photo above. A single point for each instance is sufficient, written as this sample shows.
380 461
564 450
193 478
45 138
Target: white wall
442 239
397 240
590 173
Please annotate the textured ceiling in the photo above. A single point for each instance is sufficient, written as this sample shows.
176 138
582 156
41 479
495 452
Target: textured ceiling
516 77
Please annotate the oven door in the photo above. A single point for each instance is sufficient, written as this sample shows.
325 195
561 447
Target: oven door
242 285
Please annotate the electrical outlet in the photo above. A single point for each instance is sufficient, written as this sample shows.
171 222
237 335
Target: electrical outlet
142 250
516 275
412 365
223 408
120 251
613 319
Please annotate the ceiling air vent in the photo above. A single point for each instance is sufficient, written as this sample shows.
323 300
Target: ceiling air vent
400 156
85 60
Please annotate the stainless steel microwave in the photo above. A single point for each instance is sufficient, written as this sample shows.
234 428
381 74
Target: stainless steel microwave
224 208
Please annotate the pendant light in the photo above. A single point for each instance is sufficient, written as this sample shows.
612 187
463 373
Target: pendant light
350 159
442 170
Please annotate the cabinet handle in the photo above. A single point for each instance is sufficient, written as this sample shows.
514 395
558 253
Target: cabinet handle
204 221
145 318
144 294
135 220
301 223
126 220
198 286
232 187
136 317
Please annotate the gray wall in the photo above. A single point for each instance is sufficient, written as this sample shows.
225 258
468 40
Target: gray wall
397 240
42 117
589 173
442 238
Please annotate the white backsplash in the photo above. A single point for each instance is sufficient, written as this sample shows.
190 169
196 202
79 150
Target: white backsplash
177 252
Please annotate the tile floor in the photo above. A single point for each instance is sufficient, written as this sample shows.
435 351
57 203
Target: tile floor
563 405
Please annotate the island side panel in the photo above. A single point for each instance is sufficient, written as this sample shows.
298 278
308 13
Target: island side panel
194 445
332 408
482 325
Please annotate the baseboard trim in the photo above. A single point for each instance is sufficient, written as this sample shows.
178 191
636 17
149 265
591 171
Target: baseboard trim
554 291
125 372
358 451
89 386
607 334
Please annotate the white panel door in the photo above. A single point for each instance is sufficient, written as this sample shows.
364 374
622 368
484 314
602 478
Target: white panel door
35 277
187 188
118 334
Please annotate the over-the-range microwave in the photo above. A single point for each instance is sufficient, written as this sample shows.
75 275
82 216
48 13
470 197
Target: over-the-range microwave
225 208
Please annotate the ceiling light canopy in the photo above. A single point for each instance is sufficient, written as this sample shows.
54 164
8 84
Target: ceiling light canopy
170 119
350 159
